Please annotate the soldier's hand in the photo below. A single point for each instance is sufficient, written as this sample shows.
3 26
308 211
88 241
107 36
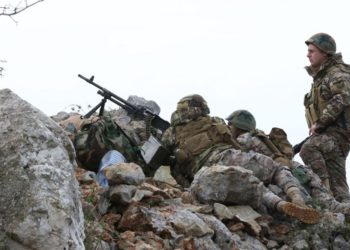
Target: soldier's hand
312 129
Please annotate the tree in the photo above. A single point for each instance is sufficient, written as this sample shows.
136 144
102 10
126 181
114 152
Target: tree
11 9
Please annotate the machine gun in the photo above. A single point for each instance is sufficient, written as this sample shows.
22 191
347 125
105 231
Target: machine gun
156 121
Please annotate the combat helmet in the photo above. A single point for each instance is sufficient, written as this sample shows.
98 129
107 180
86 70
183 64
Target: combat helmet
190 107
242 119
324 42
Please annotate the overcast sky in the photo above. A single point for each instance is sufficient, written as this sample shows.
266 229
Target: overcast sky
237 54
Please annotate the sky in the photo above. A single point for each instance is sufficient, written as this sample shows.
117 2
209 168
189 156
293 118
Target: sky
237 54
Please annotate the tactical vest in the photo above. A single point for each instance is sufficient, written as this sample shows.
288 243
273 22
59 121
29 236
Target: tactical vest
199 136
277 142
315 104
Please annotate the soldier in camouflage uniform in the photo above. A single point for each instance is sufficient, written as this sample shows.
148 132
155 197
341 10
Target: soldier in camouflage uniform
327 107
243 128
197 139
99 135
275 145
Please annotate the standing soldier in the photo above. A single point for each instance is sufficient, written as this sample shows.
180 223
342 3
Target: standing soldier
327 110
197 139
243 128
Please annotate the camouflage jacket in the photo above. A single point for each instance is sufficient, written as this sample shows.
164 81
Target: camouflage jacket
250 141
193 141
328 102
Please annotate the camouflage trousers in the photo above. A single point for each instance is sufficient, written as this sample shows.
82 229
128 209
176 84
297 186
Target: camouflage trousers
263 167
320 194
323 153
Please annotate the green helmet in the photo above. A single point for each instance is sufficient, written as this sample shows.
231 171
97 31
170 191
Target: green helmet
242 119
324 42
190 107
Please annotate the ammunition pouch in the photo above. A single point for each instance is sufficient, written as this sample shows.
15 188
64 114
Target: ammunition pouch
181 156
311 115
153 152
315 102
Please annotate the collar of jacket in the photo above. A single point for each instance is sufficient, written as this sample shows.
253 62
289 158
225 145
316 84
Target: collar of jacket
332 60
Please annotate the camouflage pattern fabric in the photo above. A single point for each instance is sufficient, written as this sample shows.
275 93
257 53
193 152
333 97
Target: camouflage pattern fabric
328 106
95 139
322 197
322 152
74 123
304 174
324 42
208 145
259 142
329 98
249 142
275 144
263 167
193 141
278 137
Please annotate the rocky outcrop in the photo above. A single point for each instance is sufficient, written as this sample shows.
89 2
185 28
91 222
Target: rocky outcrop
160 214
40 207
219 184
39 198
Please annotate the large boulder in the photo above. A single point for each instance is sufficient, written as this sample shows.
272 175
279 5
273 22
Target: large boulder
40 204
227 185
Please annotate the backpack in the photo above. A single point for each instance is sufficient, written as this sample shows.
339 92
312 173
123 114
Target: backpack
279 139
279 145
95 139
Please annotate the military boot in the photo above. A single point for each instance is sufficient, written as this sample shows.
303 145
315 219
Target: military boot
294 194
303 214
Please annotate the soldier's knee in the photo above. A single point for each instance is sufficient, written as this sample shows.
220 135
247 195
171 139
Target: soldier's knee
306 150
284 171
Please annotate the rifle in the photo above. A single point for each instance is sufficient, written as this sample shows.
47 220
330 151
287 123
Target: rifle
142 112
297 147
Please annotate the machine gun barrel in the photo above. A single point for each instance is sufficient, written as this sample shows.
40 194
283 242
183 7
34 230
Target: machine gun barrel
157 121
